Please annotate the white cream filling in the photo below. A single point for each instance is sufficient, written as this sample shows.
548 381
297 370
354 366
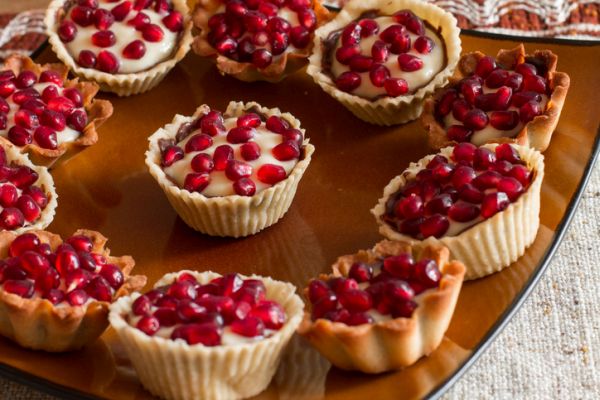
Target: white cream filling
68 134
432 62
488 133
156 52
219 184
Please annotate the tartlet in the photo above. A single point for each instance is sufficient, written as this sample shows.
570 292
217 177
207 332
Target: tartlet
383 309
516 98
195 335
46 115
256 40
410 49
230 174
27 196
89 37
482 203
54 295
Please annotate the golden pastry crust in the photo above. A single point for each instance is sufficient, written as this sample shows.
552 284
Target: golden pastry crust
45 182
387 110
537 132
233 215
288 63
37 324
492 244
120 84
98 111
176 370
395 343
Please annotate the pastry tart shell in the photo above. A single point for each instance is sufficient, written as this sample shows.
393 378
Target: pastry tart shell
120 84
537 132
233 216
395 343
286 64
387 110
176 370
45 182
98 111
37 324
492 244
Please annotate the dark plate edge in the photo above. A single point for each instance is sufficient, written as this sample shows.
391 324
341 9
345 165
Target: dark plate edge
510 312
64 392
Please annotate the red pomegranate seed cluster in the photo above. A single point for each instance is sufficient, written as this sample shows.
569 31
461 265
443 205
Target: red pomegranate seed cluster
238 171
21 201
494 96
131 12
395 40
71 273
200 313
33 116
255 31
473 185
387 286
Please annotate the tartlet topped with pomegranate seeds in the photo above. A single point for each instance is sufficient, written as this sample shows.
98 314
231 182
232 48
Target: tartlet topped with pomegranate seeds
515 97
46 115
384 308
233 173
126 46
381 58
481 202
27 195
54 295
203 335
257 39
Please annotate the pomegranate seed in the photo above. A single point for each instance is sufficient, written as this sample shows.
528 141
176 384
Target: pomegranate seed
360 63
221 156
82 15
368 27
341 315
77 120
409 207
507 152
470 89
34 264
149 325
244 187
379 74
208 334
67 31
345 53
535 83
526 69
424 44
66 261
24 95
300 37
437 160
460 109
173 21
308 19
504 120
445 103
103 19
409 63
54 296
31 211
485 66
463 212
493 203
342 284
107 62
202 163
121 11
294 135
435 225
34 105
355 300
379 51
399 266
442 172
249 327
134 50
77 279
270 313
249 120
415 25
237 169
476 119
360 272
226 46
317 289
19 136
23 176
8 195
219 304
487 180
81 243
5 108
183 290
296 5
279 42
496 78
113 275
26 119
198 142
36 194
99 289
188 311
514 81
511 186
254 21
86 59
351 34
271 174
459 133
152 33
390 33
397 290
77 297
88 3
288 150
23 288
74 95
276 124
240 135
529 111
395 86
195 182
139 21
439 204
403 309
25 79
464 152
212 123
463 175
141 306
400 44
250 151
166 316
22 243
6 75
520 98
171 154
521 173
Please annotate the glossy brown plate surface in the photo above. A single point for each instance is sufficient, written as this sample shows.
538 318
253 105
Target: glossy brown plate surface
107 188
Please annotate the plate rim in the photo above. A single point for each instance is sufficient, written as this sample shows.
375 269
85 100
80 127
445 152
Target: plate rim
61 391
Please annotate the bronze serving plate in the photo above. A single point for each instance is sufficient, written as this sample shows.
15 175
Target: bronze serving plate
108 188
